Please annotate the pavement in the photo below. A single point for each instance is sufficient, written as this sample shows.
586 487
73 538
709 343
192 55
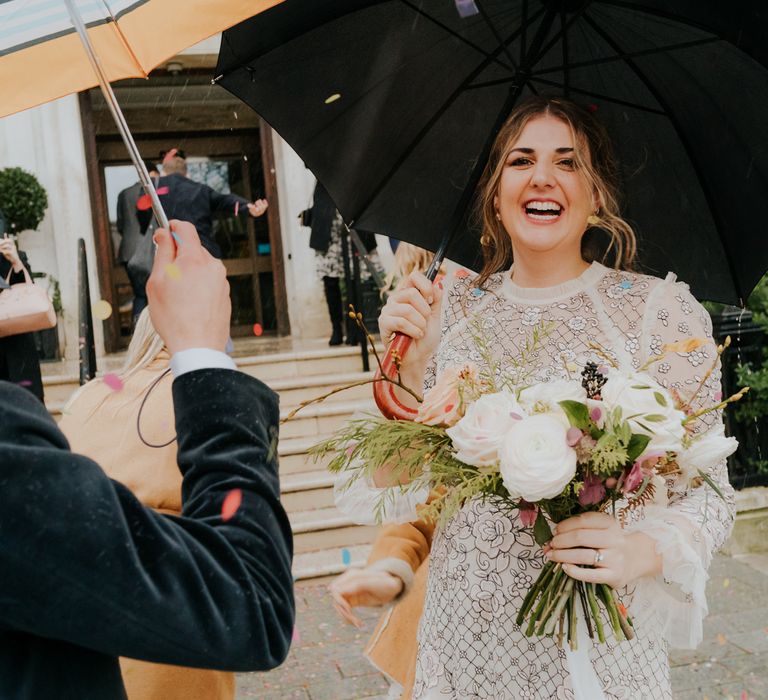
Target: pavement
731 663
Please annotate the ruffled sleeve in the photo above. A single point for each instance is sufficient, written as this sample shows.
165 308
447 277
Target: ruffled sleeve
696 522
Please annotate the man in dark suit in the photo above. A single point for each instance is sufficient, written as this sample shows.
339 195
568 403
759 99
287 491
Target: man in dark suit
88 573
131 230
192 201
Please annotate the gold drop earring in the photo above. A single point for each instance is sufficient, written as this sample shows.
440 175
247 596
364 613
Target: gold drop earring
593 219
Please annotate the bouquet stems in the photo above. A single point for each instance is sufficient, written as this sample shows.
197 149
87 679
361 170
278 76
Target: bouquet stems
550 606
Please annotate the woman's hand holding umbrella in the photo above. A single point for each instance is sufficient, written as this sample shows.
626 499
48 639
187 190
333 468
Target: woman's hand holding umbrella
411 320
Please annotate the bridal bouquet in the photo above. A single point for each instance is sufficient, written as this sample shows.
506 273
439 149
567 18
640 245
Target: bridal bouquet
610 440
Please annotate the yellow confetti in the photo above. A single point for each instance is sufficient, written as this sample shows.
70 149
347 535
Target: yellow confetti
172 270
726 583
102 309
332 98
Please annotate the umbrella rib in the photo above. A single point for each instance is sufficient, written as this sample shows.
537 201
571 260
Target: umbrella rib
627 55
458 36
564 45
600 96
563 31
124 41
496 34
524 33
406 152
708 196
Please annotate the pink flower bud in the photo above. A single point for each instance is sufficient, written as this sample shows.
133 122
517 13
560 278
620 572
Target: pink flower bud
611 482
596 414
573 436
528 513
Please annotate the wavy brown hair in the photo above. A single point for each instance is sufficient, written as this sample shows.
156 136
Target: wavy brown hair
595 161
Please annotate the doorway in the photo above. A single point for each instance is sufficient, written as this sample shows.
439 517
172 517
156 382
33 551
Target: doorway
228 159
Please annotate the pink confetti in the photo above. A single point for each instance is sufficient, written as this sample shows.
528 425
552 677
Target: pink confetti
462 273
25 382
237 208
295 637
231 504
257 329
113 382
718 396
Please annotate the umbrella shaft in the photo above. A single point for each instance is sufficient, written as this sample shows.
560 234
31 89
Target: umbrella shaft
117 113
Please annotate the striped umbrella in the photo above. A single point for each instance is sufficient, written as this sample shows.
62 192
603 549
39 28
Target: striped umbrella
52 48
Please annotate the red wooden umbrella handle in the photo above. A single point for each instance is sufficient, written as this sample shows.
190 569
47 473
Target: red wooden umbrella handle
384 392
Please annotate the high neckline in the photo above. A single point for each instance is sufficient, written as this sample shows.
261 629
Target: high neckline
588 278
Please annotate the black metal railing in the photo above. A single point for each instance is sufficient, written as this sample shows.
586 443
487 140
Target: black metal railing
747 342
85 317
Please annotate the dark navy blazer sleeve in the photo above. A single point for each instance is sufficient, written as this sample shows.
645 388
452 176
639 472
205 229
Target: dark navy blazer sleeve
84 562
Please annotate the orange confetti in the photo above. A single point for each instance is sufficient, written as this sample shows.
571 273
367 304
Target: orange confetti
721 639
462 273
113 382
622 610
172 270
257 329
102 309
231 504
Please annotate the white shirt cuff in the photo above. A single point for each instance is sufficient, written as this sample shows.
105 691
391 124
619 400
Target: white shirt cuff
200 358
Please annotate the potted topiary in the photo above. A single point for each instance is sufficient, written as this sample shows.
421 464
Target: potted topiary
23 202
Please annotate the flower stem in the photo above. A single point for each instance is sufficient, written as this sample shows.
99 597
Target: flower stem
573 623
596 615
610 606
541 582
625 622
580 586
547 626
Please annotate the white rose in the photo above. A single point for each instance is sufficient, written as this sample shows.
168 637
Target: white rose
705 452
536 460
544 397
479 433
638 396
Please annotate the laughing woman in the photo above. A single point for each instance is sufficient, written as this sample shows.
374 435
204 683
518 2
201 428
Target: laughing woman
548 189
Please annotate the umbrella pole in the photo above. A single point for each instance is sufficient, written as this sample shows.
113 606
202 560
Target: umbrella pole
117 113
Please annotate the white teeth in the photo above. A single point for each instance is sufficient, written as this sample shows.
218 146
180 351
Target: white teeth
543 206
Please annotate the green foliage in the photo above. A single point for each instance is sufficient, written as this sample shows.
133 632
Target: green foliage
23 200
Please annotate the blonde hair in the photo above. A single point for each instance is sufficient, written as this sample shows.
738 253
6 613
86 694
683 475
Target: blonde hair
408 257
146 344
595 161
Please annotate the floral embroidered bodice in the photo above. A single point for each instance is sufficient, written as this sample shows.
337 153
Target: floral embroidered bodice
482 562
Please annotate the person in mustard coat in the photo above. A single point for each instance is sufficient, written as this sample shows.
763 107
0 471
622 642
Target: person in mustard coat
125 422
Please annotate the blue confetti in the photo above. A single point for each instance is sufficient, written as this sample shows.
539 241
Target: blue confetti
346 557
477 292
466 8
626 284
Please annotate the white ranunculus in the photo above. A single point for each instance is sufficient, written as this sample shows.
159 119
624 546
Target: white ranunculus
545 397
479 433
536 460
637 395
705 452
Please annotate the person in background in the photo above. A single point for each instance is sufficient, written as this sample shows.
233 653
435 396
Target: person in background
91 574
131 228
192 201
125 423
19 362
325 240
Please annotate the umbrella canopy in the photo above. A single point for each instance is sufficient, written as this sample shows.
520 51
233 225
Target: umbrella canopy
42 58
393 105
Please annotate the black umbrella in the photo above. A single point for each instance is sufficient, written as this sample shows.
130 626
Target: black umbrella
393 105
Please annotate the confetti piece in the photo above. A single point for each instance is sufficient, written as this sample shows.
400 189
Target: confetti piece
231 503
722 639
102 309
744 695
466 8
726 583
448 408
461 273
25 382
295 637
257 329
332 98
477 292
113 382
237 208
346 557
172 270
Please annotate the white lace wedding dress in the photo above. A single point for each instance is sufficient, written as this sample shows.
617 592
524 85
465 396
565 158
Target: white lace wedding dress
483 562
